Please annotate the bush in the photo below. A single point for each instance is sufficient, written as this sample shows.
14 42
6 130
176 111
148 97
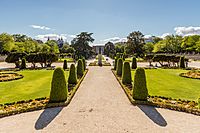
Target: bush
140 91
65 64
182 62
59 90
80 69
72 79
134 63
119 66
126 73
84 64
115 64
23 64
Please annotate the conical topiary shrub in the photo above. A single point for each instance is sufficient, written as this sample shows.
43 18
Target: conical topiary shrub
126 73
140 91
59 90
84 64
72 79
115 65
23 64
182 62
80 69
199 102
134 63
65 64
119 66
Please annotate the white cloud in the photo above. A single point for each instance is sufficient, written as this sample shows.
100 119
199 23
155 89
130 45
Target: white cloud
40 27
115 39
187 31
45 37
164 35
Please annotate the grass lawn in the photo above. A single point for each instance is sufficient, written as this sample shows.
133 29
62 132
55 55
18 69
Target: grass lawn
68 60
168 83
35 84
138 59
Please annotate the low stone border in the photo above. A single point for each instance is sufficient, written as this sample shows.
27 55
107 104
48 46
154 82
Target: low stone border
14 108
192 110
16 76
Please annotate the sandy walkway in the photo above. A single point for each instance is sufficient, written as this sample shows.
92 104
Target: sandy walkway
100 105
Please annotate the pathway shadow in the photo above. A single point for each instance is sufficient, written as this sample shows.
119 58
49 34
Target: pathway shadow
46 117
153 114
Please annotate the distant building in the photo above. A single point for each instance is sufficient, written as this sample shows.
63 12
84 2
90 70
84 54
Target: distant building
99 48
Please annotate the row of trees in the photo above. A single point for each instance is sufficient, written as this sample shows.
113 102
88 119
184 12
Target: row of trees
136 45
23 44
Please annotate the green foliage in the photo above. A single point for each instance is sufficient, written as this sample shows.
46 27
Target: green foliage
115 64
134 63
140 91
6 42
65 64
84 64
119 66
80 68
72 79
23 64
14 58
199 102
81 44
182 62
109 49
126 73
59 89
53 46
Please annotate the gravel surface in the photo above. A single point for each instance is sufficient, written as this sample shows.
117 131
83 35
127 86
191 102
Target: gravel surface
100 105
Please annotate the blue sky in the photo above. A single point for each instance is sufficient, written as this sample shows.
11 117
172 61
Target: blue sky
107 19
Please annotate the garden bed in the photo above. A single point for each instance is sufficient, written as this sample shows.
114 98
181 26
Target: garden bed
162 102
9 76
13 108
194 74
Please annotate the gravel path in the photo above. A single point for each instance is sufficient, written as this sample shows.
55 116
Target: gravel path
100 105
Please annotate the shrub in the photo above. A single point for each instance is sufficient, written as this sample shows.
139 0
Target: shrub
119 66
182 62
80 69
140 91
72 79
134 63
199 102
65 64
115 65
23 64
126 73
59 90
84 64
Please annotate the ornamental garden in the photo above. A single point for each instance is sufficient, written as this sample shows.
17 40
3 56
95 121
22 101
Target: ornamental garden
35 83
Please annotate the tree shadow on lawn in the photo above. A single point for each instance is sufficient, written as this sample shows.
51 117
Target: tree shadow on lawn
46 117
153 114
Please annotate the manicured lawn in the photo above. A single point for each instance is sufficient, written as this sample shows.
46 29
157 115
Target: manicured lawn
35 84
168 83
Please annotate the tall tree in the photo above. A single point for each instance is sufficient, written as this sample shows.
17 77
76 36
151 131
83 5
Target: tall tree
6 42
109 49
81 44
135 43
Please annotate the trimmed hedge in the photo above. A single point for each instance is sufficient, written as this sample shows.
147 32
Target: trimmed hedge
72 79
115 65
59 89
119 66
134 63
23 64
140 91
182 62
65 65
126 73
84 64
80 69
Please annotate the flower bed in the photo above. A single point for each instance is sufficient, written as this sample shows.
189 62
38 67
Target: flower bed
8 109
194 74
160 101
10 76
